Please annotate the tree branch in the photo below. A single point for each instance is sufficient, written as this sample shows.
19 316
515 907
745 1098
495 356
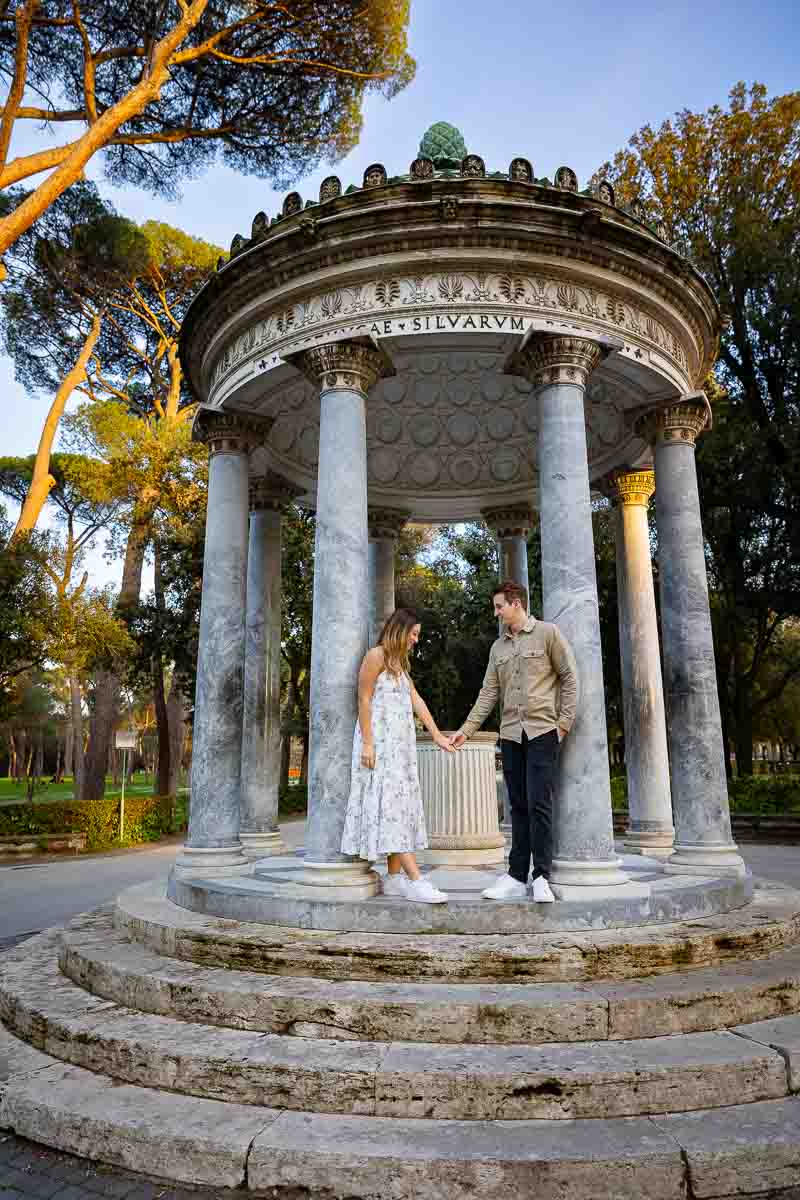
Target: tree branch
24 17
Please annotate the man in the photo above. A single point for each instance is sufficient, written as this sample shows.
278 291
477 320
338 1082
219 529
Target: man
532 671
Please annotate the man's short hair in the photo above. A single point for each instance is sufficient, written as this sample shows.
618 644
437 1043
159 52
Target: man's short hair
512 591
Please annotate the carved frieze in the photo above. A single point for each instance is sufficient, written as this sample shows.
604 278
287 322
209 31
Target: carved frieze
487 302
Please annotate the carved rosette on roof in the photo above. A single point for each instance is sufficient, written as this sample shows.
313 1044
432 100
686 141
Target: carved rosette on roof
272 493
473 167
566 179
421 168
330 188
292 204
386 523
508 520
630 488
344 366
520 170
229 432
678 423
551 358
375 176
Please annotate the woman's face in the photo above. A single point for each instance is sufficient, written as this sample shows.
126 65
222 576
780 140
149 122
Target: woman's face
413 636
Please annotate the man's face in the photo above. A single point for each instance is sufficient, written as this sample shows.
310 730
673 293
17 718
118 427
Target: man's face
503 610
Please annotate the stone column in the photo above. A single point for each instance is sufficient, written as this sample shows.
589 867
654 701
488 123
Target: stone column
703 841
261 733
583 845
213 842
511 525
344 372
650 829
384 528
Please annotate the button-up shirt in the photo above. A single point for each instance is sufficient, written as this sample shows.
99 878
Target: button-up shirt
533 674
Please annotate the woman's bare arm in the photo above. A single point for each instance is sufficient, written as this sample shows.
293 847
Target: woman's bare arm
423 712
371 668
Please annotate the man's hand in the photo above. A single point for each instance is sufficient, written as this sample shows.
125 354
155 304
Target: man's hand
457 740
562 733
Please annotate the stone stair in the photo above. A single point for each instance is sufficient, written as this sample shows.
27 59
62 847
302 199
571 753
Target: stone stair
661 1061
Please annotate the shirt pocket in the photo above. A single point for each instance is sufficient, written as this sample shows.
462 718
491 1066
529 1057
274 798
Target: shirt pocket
536 669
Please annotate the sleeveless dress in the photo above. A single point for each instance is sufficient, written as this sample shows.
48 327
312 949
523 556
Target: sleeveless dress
384 811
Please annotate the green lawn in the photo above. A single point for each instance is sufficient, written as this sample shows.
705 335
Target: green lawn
12 792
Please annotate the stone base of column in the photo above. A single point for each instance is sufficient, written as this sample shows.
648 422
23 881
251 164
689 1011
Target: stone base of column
262 845
354 880
593 880
705 860
464 856
650 842
211 861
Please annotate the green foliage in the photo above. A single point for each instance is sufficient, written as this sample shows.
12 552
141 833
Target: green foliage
293 801
147 818
765 794
444 144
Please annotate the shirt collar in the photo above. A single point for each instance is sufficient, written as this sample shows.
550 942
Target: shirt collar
528 627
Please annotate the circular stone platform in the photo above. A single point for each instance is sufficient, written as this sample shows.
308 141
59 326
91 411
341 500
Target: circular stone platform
274 895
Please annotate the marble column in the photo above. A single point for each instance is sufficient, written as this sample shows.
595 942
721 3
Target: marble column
583 844
384 528
261 732
650 829
344 372
703 841
511 525
213 843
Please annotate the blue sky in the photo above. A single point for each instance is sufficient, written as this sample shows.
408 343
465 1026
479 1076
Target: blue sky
558 83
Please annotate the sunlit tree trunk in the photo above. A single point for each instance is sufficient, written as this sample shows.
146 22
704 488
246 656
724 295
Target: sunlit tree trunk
76 715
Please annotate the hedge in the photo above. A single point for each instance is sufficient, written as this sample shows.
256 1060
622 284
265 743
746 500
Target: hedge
147 818
763 794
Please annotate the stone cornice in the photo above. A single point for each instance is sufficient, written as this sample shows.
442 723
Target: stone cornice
508 520
632 488
385 522
272 493
344 366
548 359
493 215
229 432
676 423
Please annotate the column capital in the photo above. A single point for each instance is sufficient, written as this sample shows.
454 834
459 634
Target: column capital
226 432
344 366
271 492
681 422
386 522
629 488
548 358
509 520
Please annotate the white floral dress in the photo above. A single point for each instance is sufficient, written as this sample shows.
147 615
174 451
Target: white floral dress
384 812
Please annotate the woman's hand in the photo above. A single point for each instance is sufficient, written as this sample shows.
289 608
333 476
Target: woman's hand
443 743
368 755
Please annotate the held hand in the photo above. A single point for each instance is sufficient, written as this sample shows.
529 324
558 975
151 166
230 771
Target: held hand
443 743
457 740
368 755
560 733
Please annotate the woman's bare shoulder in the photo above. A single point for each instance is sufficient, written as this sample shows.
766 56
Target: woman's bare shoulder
374 658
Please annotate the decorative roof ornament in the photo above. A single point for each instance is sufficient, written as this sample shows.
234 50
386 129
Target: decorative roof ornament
566 179
520 170
444 145
292 204
330 188
260 225
238 243
638 209
422 168
473 166
375 176
663 232
605 192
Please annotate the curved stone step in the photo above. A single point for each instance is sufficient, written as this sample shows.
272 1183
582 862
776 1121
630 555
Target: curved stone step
745 1150
104 962
556 1081
771 922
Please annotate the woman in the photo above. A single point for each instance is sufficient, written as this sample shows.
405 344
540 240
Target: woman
384 811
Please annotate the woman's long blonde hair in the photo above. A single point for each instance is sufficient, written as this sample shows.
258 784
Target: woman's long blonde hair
394 640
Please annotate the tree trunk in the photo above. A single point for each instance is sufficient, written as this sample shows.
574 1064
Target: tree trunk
69 742
744 728
286 746
108 683
176 719
57 772
38 764
162 779
19 765
76 715
304 765
42 481
12 757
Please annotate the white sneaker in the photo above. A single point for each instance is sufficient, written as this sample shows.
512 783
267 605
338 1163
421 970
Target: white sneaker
395 885
424 892
506 888
541 891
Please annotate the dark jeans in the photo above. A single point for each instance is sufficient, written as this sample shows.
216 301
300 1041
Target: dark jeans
530 771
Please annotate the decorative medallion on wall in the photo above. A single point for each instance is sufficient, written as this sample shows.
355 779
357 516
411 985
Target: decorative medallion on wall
292 204
520 170
330 188
605 192
422 168
566 179
375 176
473 166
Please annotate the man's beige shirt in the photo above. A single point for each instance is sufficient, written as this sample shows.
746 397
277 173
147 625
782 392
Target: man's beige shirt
533 674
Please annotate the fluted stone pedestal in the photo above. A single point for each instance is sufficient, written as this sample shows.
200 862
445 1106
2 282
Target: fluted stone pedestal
459 792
